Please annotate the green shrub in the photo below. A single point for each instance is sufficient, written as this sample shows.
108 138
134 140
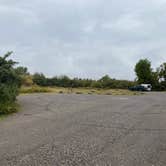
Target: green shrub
9 85
7 108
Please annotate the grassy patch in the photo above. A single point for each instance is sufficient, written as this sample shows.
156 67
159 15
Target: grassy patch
90 91
6 110
3 117
35 89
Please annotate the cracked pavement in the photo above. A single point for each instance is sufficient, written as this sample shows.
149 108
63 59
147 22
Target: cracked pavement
85 130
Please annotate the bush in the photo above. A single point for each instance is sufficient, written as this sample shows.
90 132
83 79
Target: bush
39 79
27 80
7 108
9 85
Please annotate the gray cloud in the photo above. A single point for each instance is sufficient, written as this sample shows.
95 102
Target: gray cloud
84 38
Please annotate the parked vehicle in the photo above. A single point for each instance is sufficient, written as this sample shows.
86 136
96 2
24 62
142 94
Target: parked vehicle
142 87
148 87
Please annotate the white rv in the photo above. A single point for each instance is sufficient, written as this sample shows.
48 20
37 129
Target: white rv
148 87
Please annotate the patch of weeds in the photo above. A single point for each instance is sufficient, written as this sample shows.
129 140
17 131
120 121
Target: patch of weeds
79 93
108 93
2 117
6 109
90 91
36 89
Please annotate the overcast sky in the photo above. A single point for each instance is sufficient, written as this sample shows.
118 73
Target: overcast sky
84 38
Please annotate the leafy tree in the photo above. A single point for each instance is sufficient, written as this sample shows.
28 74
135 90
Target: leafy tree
22 71
40 79
162 71
155 81
143 71
76 82
53 81
86 82
9 84
96 84
26 78
162 76
64 81
105 81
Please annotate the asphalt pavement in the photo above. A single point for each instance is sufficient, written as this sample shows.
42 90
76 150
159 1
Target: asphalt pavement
85 130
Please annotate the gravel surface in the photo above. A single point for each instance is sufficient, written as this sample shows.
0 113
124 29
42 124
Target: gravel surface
85 130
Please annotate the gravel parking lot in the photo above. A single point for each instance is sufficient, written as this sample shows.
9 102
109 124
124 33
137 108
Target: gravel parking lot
85 130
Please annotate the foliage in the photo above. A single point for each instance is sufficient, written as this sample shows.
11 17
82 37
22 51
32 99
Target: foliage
145 74
39 79
105 81
162 76
26 78
143 71
162 71
22 70
64 81
9 84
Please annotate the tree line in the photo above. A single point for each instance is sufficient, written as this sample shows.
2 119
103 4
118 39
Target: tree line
12 78
143 69
64 81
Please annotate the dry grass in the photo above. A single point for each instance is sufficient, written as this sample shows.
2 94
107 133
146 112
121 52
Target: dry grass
90 91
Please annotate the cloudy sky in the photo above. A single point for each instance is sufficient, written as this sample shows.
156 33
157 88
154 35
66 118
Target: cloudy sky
84 38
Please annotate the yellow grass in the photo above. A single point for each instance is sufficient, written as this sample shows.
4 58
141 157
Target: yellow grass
90 91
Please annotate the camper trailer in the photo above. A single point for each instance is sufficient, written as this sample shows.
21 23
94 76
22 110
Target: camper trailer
142 87
148 87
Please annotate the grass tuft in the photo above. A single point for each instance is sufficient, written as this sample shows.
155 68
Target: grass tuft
79 93
6 109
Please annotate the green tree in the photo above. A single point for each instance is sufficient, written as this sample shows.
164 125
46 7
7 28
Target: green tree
22 71
40 79
143 71
162 71
64 81
26 78
9 84
105 81
155 81
162 76
96 84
